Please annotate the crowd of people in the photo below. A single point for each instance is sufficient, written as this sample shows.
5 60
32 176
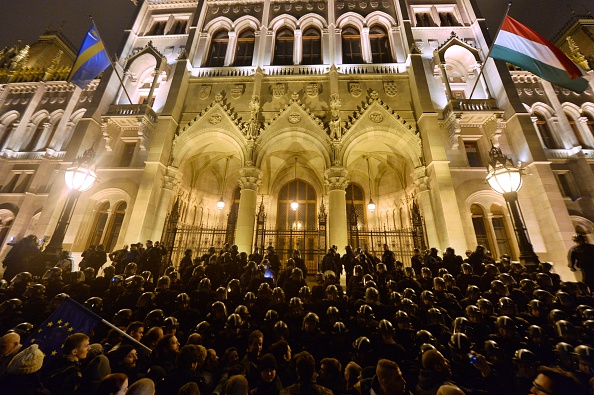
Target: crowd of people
231 323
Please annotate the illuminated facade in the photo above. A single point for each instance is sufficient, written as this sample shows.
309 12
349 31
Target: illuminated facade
330 103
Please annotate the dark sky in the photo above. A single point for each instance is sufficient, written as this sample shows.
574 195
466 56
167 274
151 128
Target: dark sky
26 19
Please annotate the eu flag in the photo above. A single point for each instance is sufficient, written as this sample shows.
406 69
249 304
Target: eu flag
70 317
91 60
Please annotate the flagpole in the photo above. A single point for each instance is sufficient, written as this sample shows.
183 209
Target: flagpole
490 47
127 336
111 61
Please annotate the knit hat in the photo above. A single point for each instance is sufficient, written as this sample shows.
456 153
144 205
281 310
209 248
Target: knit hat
116 356
27 361
267 362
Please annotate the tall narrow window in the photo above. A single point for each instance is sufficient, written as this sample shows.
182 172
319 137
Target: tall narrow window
545 132
113 232
447 19
380 45
312 46
473 154
218 49
178 27
283 48
355 201
52 133
424 19
233 214
501 235
32 146
245 48
6 225
157 29
351 46
576 130
98 225
480 226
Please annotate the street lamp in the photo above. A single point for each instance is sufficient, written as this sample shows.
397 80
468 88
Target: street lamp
506 179
294 203
221 202
79 177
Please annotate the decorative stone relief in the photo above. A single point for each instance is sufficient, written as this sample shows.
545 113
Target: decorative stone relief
278 90
376 117
250 178
355 89
390 88
204 91
335 178
312 89
215 119
335 124
237 90
294 118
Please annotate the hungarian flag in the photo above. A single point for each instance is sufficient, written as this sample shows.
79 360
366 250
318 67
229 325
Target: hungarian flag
521 46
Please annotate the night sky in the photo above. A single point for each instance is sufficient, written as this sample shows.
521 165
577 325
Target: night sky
26 19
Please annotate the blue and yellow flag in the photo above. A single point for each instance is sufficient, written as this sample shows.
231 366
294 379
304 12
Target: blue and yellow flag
70 317
91 60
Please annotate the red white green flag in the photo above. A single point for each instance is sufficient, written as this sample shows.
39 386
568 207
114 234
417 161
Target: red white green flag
521 46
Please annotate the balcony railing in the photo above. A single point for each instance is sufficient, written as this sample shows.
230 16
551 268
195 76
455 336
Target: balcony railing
318 69
126 110
470 105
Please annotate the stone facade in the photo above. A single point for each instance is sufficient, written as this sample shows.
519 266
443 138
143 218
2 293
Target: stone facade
240 99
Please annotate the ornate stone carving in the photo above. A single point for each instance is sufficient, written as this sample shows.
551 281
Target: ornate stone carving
294 118
312 89
215 119
376 117
252 127
204 91
335 178
355 89
250 178
390 88
420 179
335 124
237 90
278 90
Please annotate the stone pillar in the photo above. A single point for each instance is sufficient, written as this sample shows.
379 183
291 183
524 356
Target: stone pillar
422 184
365 46
336 182
230 54
248 201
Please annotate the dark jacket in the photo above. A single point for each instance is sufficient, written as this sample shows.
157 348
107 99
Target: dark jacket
430 381
306 388
29 384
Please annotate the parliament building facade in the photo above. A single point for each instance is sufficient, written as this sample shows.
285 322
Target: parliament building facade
330 104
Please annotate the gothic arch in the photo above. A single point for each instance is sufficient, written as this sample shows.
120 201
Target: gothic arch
219 23
312 20
351 18
246 22
283 21
195 141
380 18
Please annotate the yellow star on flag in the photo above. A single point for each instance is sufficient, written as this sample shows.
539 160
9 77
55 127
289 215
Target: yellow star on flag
50 324
39 330
54 353
66 324
32 340
70 329
60 321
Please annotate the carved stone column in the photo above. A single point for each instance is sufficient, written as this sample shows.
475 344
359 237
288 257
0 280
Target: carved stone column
422 185
244 232
336 182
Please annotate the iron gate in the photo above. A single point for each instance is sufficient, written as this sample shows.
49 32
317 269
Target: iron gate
311 243
401 241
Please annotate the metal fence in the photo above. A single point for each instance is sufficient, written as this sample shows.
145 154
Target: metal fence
400 241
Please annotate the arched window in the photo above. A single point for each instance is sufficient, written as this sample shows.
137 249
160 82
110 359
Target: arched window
380 45
5 130
545 132
37 134
576 130
51 134
351 46
113 232
479 222
245 48
283 48
98 225
502 237
355 201
312 46
305 217
218 49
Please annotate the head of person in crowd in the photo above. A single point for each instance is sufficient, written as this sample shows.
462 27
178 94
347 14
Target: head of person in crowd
76 346
237 385
113 384
433 360
267 368
556 381
390 377
9 343
305 365
143 386
255 343
29 361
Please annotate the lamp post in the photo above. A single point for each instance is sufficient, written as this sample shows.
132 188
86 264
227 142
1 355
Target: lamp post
79 177
370 205
506 179
221 202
